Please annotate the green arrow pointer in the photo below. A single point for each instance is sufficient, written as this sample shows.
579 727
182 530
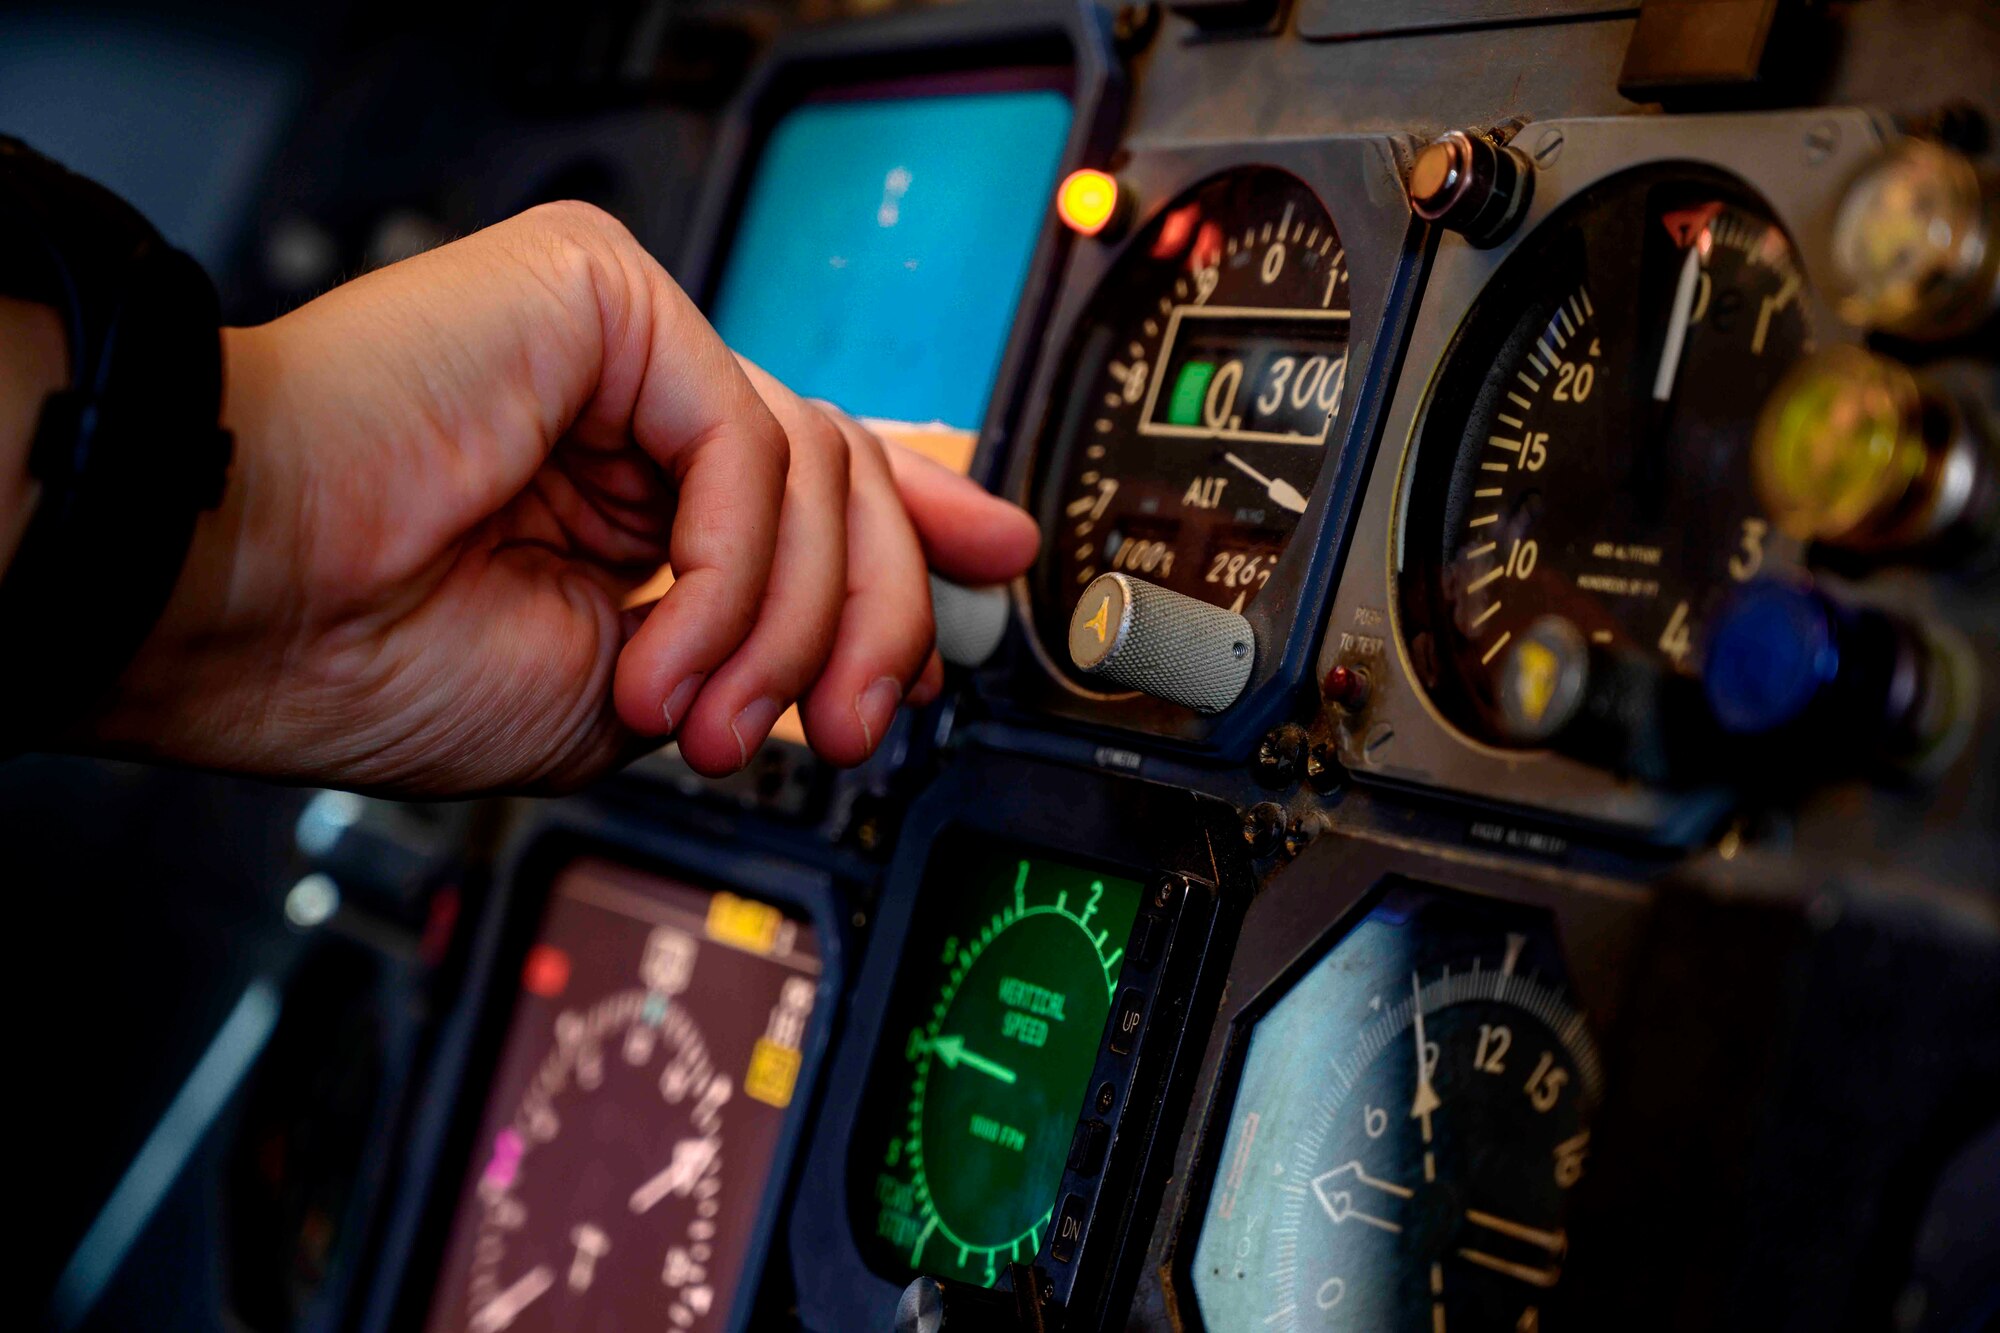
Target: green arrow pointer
952 1050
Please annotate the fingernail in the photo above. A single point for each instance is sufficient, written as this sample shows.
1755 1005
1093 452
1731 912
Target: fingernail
752 725
874 706
675 707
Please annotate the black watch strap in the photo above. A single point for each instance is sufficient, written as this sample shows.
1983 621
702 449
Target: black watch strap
128 455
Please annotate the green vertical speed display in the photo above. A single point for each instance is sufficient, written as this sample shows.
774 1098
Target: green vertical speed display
1006 981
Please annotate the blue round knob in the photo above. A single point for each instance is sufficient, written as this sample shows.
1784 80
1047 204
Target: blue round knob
1771 651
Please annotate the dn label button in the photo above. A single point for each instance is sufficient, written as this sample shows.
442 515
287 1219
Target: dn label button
1069 1229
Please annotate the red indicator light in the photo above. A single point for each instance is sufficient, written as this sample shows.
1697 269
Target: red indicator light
1176 229
1087 201
546 973
1207 251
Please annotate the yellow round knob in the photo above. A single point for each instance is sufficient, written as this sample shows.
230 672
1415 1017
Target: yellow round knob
1840 449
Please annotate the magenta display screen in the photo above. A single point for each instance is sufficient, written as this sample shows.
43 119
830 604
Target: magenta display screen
635 1112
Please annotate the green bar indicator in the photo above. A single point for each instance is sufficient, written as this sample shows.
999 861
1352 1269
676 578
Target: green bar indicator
1190 393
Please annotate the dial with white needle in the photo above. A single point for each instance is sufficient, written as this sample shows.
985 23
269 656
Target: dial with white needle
1426 1099
1282 492
1677 324
504 1309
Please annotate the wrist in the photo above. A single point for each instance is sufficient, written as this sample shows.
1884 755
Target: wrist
33 364
199 691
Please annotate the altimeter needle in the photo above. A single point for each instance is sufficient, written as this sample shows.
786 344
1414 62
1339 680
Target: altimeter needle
1677 324
1283 494
952 1051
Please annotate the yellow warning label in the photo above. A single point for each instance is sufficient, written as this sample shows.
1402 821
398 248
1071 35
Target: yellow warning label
774 1072
743 923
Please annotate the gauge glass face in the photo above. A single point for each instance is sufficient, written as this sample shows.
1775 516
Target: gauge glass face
1206 382
1410 1119
986 1050
1585 451
635 1113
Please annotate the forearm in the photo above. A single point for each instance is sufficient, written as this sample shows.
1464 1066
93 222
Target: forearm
33 364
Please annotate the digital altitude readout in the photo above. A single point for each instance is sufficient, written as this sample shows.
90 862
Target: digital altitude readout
998 1011
630 1129
1206 381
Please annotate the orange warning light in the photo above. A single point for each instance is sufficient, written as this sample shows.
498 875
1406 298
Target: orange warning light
1087 201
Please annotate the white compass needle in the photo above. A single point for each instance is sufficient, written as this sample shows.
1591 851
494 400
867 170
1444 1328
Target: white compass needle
1426 1099
1677 324
1282 493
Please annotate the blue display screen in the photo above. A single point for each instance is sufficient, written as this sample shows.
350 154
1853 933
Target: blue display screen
882 247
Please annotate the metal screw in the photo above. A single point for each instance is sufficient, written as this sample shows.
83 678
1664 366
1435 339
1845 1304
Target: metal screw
1821 140
1323 773
1378 738
1276 763
1548 147
1264 827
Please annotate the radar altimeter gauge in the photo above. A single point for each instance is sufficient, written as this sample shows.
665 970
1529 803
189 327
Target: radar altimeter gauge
1205 381
1410 1119
1585 450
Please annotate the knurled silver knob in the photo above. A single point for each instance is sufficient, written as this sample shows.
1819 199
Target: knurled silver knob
970 621
1173 647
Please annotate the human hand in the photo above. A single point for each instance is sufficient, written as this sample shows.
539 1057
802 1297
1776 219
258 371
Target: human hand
450 474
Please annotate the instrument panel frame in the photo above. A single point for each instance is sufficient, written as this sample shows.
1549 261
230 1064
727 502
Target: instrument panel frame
1137 829
1799 163
1359 178
554 837
1304 912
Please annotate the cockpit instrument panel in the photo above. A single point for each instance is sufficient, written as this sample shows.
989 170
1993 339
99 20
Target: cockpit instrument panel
1206 385
1203 407
1583 465
1011 1084
632 1123
1564 499
1010 976
1408 1122
885 237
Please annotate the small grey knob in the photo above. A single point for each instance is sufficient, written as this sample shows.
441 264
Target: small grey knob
938 1305
1171 646
970 621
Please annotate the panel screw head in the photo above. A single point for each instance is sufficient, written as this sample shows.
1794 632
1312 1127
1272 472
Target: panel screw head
1548 147
1279 756
1323 771
1264 827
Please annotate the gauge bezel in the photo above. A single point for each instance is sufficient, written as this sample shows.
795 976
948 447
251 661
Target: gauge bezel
1302 914
1135 829
1798 165
1358 179
440 1153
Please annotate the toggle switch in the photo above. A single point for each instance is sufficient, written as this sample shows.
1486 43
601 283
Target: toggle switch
1163 643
